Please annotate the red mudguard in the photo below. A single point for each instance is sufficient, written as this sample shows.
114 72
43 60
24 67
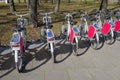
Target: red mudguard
71 38
105 28
117 26
91 32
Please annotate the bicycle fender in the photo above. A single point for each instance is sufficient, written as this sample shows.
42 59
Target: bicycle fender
117 26
105 28
71 38
91 32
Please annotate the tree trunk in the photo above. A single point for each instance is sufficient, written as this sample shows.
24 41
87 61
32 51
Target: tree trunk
52 1
24 1
57 5
118 1
28 3
85 1
103 5
38 4
18 1
12 6
69 1
33 13
46 1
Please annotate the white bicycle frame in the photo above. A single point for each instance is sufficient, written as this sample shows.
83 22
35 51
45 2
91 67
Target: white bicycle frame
111 22
50 39
15 46
22 22
98 25
68 23
84 23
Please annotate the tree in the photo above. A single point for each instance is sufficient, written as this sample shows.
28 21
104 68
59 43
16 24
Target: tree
12 6
18 1
52 1
24 1
33 13
69 1
57 5
28 3
103 5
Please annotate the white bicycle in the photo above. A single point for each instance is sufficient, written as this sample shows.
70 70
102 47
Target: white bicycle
94 32
47 34
83 25
108 28
71 32
18 41
117 25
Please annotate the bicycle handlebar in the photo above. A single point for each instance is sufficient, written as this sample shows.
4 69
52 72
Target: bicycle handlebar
21 15
46 13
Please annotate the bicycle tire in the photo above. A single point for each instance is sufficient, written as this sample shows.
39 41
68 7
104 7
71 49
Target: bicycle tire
95 42
75 48
109 38
19 64
52 52
118 36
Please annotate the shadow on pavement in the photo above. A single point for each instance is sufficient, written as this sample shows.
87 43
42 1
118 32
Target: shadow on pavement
38 55
83 47
6 64
63 49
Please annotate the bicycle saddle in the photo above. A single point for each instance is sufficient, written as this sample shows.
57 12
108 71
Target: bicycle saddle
73 22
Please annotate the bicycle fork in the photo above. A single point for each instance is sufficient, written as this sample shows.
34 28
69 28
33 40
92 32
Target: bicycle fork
97 37
51 47
16 56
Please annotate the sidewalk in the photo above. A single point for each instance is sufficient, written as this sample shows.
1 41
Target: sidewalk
102 64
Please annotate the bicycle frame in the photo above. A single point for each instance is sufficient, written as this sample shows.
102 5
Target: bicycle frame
68 17
84 23
111 29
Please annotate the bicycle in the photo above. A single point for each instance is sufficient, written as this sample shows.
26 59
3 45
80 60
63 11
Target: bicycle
18 41
108 28
47 34
117 25
94 31
83 26
72 34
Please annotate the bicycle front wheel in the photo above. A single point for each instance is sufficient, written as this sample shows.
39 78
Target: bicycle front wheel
109 38
75 47
52 46
95 41
19 64
118 35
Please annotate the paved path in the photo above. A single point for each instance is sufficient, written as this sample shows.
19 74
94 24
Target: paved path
102 64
